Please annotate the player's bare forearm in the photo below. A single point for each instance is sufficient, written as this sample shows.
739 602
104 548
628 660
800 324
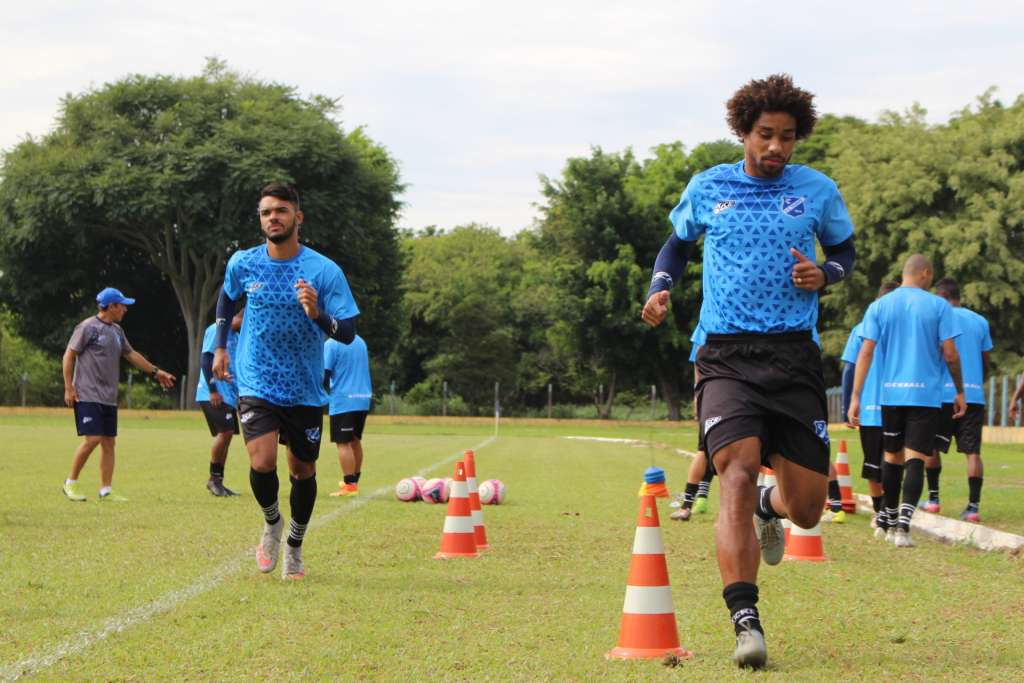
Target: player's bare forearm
956 373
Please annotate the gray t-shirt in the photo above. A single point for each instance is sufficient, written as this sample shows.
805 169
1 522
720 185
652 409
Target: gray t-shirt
99 346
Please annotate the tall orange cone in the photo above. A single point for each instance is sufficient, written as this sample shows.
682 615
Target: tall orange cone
804 544
457 539
648 628
479 532
843 474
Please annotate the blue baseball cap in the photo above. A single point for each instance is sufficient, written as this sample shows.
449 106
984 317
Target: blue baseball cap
112 296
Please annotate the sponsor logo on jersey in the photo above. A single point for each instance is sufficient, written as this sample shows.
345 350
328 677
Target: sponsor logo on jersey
252 287
711 422
821 431
313 435
722 207
794 206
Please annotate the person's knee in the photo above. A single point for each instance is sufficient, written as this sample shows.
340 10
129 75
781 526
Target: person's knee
107 442
805 513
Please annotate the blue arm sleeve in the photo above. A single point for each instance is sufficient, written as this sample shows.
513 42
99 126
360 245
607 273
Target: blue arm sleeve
341 330
225 311
670 264
839 259
206 365
848 371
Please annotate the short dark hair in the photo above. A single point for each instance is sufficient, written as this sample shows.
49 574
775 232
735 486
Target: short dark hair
281 190
887 287
775 93
948 289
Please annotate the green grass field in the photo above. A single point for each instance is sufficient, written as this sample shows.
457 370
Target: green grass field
165 588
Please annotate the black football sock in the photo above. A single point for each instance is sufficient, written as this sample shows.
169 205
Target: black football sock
876 503
764 508
835 500
302 500
741 599
892 481
357 475
913 483
264 488
688 495
217 469
350 479
933 482
974 492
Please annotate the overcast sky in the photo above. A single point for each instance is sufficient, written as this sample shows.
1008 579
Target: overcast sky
475 99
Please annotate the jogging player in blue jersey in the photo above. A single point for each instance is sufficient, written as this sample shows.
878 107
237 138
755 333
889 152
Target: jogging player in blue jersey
761 390
870 412
295 299
347 379
974 345
914 329
218 399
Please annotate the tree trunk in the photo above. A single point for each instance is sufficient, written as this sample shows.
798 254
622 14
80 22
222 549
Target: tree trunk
606 409
670 390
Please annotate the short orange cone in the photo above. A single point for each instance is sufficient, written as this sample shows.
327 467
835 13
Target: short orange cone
479 532
458 540
648 628
843 474
804 544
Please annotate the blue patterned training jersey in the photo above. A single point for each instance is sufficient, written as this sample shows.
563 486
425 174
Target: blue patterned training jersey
975 338
698 339
749 225
909 326
280 350
227 390
871 392
349 365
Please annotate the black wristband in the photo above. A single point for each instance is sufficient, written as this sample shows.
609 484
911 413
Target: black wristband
155 371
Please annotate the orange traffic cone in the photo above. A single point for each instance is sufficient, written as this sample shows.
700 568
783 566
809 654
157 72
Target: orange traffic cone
648 628
457 539
479 533
843 474
804 544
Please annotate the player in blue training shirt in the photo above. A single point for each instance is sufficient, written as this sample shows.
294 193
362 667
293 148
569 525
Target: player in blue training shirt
295 299
218 399
347 376
973 345
914 329
761 390
871 410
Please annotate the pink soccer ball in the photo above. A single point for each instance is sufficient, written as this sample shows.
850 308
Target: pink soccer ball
492 492
407 490
420 481
433 491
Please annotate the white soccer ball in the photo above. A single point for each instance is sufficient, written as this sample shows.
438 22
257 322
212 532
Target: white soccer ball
407 490
433 491
492 492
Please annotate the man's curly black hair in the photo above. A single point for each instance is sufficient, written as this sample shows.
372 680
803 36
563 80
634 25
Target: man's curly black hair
775 93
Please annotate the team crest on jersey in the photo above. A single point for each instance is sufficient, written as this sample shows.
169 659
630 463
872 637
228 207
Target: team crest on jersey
794 206
722 207
821 431
313 435
252 287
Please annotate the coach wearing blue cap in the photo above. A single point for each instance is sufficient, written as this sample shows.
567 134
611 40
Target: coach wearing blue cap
92 365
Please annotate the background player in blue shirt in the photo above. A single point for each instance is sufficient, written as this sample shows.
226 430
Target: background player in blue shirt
347 378
871 409
218 399
761 391
699 476
973 345
910 326
295 299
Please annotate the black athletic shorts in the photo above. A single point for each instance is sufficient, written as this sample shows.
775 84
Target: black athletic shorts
871 444
348 426
95 419
912 427
768 386
220 419
967 429
298 427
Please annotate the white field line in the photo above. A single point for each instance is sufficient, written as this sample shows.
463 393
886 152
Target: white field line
86 638
631 442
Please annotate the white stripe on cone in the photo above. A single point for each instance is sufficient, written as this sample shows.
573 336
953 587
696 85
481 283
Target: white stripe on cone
795 530
477 516
648 600
458 525
647 541
459 490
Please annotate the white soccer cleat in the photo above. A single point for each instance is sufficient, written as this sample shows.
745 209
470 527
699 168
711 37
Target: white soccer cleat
292 567
890 535
270 546
772 539
880 533
751 650
903 539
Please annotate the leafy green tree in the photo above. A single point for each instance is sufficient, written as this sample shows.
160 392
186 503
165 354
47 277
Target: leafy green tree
170 168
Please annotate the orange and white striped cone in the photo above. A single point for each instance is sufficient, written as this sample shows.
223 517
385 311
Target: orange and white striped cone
804 544
845 484
479 532
648 628
457 539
